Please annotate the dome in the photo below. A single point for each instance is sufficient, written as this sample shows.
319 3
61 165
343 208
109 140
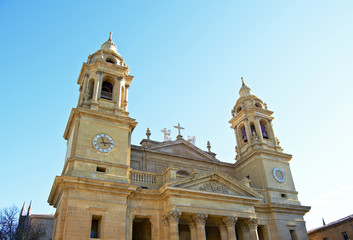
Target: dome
109 45
244 90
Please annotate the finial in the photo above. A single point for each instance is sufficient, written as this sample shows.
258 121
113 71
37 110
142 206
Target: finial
23 209
148 133
110 36
209 146
29 209
242 80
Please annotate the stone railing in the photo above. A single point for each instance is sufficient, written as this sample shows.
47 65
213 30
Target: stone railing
152 180
146 179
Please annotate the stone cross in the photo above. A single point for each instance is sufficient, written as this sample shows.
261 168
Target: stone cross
179 128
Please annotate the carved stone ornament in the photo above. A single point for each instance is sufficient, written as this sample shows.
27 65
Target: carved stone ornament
252 223
200 218
173 216
229 221
213 187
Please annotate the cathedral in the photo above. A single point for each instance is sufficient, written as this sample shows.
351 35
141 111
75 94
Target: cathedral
110 189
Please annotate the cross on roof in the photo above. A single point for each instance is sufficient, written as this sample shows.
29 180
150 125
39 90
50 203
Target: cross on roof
179 128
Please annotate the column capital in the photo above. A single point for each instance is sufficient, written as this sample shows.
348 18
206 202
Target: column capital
99 73
252 223
173 216
200 218
229 221
87 75
120 78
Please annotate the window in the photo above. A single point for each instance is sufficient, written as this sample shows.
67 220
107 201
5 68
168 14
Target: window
293 235
95 227
90 89
345 236
100 169
107 91
284 195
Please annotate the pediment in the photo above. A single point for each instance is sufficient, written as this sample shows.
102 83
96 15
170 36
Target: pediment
217 182
183 148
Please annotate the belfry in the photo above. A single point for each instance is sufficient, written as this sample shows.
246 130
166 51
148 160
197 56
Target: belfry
111 189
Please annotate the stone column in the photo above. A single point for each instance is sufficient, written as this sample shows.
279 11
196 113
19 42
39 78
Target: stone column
222 230
272 132
173 219
252 224
258 129
97 86
192 226
84 92
126 97
230 225
200 220
248 130
166 227
118 91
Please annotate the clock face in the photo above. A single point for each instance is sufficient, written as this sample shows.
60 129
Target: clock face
279 175
103 143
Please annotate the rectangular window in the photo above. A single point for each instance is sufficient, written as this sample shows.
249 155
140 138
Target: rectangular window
101 169
293 235
345 236
95 227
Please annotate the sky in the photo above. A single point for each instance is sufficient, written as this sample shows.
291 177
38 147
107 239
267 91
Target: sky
187 58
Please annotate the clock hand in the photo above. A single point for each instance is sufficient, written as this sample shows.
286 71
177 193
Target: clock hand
103 141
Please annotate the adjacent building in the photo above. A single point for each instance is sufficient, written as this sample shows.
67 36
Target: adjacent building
340 229
110 189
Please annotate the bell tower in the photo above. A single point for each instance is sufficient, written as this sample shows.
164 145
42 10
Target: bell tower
259 158
99 128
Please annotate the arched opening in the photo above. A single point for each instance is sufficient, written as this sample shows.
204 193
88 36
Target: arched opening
90 89
111 60
107 90
239 109
242 133
264 129
259 105
253 129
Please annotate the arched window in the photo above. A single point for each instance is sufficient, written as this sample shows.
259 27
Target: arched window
107 90
259 105
110 60
253 129
243 134
90 89
264 129
239 109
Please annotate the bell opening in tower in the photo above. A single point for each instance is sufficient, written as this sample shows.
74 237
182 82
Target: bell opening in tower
107 91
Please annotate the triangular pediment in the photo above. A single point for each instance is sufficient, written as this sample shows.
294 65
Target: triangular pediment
183 148
217 182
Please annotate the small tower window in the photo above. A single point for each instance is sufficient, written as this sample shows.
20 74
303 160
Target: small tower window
110 60
183 172
253 130
258 105
243 134
107 91
239 109
263 126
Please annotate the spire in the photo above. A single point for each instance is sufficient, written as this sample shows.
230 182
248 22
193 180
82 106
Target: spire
23 209
110 36
242 80
29 209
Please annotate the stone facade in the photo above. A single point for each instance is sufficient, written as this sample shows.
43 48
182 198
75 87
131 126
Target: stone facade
110 189
340 229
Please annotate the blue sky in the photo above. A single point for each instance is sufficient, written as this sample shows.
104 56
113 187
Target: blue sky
187 58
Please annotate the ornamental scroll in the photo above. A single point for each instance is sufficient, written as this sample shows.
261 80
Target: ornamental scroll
213 187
